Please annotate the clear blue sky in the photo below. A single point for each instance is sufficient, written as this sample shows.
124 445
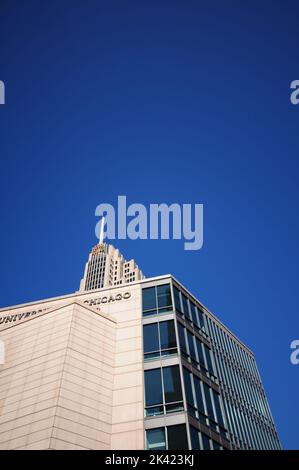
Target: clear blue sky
164 101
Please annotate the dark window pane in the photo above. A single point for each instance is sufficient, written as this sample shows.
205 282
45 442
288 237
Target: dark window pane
188 387
154 410
218 408
198 393
205 442
216 446
150 338
155 439
177 437
209 401
177 299
200 352
172 384
149 298
191 346
193 313
174 407
194 438
152 355
167 335
153 387
182 338
150 312
200 318
164 296
168 352
186 306
209 360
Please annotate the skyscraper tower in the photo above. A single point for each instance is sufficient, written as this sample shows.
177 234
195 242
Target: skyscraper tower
107 267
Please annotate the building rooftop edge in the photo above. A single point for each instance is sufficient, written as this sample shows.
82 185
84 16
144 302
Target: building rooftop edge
80 293
143 281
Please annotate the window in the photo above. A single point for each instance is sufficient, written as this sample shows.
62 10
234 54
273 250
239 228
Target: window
177 299
216 446
201 358
182 339
193 313
159 340
196 350
164 297
156 300
149 300
205 442
201 441
209 406
177 437
186 307
153 387
151 343
209 360
189 392
170 438
194 396
199 398
191 346
167 337
155 439
200 318
172 388
163 391
219 414
194 438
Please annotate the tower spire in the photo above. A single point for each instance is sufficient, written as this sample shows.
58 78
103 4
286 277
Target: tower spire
101 240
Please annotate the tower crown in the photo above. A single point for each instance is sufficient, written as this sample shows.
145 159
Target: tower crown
107 267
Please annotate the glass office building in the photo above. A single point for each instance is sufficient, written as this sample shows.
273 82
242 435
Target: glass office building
202 388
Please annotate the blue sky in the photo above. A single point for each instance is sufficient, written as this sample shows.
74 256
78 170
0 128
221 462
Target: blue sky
163 101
